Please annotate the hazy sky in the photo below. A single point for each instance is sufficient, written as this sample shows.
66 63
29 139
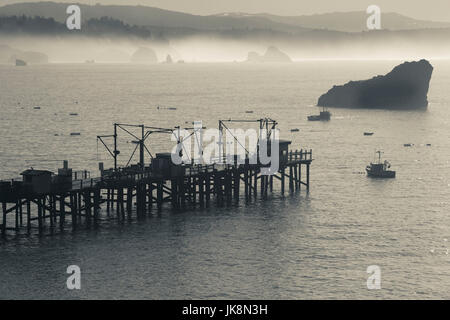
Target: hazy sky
422 9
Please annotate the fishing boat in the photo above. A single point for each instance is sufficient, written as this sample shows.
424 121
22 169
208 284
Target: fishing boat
324 115
20 63
380 169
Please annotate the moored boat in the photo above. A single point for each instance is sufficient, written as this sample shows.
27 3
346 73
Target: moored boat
324 115
380 169
20 63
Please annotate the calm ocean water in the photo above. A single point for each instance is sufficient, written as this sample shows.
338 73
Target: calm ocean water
300 246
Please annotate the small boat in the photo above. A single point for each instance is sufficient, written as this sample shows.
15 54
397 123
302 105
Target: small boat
249 111
75 134
428 144
408 145
20 63
295 130
37 108
368 133
324 115
380 169
166 108
90 61
73 114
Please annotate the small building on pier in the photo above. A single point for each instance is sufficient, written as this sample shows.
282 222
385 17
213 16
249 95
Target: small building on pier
39 181
163 165
283 146
284 151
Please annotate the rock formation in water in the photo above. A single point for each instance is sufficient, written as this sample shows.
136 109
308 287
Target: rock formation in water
254 57
6 52
112 56
144 55
272 54
10 55
30 57
405 87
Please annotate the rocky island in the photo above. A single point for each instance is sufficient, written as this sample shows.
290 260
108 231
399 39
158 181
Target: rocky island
405 87
30 57
144 55
10 55
273 54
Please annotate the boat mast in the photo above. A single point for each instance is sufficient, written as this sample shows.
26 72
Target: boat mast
379 156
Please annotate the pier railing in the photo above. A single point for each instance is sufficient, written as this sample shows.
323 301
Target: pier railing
300 155
135 190
82 179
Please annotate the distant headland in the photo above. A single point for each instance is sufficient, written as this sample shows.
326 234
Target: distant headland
405 87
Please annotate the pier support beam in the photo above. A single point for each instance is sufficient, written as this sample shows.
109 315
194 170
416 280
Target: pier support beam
73 209
4 219
62 212
40 212
96 206
307 177
28 216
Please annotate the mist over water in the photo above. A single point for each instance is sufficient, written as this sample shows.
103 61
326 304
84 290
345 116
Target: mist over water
214 48
300 246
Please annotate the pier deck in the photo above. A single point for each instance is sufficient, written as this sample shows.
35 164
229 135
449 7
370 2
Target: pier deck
83 201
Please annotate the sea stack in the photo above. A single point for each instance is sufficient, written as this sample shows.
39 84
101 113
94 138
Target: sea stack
273 54
20 63
405 87
30 57
144 55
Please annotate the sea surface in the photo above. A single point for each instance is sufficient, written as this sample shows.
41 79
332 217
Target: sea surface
315 245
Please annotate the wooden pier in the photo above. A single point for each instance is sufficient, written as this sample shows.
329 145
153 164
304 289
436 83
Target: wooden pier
47 204
140 193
